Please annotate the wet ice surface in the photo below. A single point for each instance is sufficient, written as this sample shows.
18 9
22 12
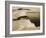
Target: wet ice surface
24 24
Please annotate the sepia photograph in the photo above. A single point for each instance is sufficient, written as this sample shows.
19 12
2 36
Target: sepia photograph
25 18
